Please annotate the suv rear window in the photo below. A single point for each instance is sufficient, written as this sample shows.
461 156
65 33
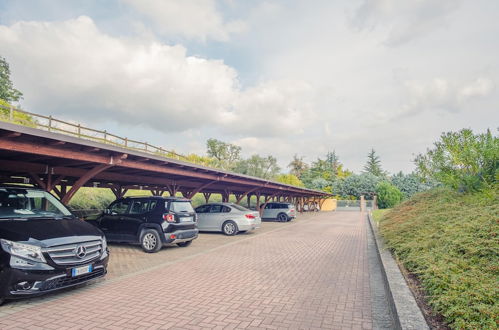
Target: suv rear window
181 207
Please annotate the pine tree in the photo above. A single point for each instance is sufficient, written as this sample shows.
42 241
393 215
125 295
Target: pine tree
373 165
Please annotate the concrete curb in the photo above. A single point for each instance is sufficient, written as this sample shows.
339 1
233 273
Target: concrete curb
402 303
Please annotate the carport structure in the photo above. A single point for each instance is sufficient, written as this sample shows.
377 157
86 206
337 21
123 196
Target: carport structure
63 164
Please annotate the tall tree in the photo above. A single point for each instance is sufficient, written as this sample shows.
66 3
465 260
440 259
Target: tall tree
256 165
7 90
297 166
226 154
334 162
373 165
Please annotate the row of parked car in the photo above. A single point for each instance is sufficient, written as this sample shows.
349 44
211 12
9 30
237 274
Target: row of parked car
44 247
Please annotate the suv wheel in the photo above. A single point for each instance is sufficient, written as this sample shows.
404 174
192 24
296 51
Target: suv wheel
150 241
229 228
184 244
282 217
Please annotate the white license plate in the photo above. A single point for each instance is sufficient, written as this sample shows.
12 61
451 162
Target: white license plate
81 270
186 219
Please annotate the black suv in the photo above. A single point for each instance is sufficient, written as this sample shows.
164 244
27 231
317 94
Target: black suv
151 221
43 246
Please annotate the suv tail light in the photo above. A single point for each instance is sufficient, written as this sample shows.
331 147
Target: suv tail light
292 210
250 216
168 217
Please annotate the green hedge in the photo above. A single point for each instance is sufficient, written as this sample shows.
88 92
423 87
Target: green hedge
450 242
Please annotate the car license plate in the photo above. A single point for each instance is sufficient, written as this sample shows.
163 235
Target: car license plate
81 270
186 219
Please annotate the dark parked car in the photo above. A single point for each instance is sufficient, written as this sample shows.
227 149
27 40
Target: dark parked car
43 246
150 221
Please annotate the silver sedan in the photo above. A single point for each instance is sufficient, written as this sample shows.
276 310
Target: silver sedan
229 218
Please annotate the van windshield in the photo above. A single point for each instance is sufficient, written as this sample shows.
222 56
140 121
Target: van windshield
29 203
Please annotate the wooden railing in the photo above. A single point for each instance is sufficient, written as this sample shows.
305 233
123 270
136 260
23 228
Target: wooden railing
48 123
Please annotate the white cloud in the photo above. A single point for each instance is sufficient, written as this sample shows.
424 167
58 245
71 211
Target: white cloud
198 19
443 94
404 21
73 68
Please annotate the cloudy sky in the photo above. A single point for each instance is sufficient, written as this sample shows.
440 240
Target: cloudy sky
279 77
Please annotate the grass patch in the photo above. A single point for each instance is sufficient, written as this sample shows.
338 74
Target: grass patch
379 214
450 242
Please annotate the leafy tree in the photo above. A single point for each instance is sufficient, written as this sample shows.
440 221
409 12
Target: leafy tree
290 179
298 166
357 185
462 160
388 195
256 165
226 154
410 184
373 165
7 90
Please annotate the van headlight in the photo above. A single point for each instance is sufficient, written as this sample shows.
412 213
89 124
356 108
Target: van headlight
25 251
104 244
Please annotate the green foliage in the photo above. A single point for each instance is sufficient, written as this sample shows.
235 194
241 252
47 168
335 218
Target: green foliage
226 155
17 116
256 165
410 184
388 195
7 90
450 241
298 166
462 160
357 185
379 214
91 199
201 160
289 179
373 165
325 173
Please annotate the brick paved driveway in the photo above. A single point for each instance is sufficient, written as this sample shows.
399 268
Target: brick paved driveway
306 274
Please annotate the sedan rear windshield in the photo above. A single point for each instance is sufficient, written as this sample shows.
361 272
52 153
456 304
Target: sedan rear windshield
181 207
239 207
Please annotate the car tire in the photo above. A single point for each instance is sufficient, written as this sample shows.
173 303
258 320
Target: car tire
282 217
150 241
229 228
184 244
2 300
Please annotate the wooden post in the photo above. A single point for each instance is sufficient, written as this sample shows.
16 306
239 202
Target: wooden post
362 203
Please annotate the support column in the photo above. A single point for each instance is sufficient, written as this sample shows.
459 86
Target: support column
207 197
119 191
84 179
362 204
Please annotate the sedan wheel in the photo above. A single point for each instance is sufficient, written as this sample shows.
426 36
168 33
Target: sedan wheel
229 228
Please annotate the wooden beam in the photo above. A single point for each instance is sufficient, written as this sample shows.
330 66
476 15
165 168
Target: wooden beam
81 181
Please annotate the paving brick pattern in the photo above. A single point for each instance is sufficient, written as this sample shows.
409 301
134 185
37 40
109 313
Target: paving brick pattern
312 274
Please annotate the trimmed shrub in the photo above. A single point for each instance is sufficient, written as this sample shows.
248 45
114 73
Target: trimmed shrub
388 195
